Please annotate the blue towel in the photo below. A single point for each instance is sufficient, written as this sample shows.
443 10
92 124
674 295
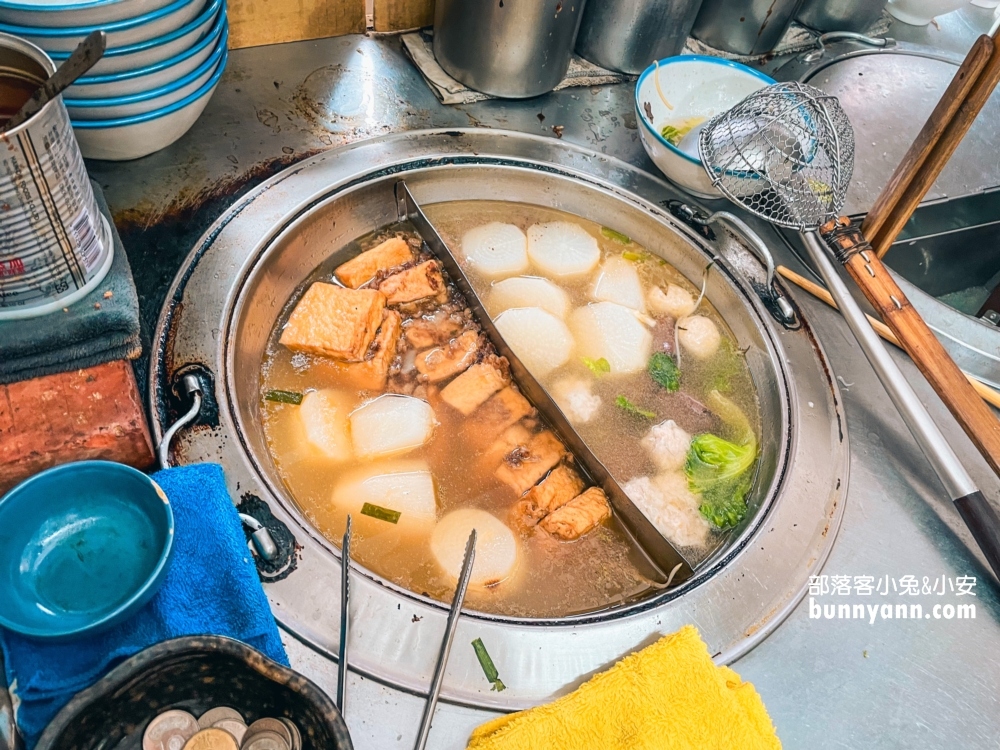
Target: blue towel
211 588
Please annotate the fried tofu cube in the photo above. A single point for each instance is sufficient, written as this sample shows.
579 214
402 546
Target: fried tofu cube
334 322
503 410
423 333
525 465
362 269
469 391
372 373
558 488
511 438
421 281
442 362
579 516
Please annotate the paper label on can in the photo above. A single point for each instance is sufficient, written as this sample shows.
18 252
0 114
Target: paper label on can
52 240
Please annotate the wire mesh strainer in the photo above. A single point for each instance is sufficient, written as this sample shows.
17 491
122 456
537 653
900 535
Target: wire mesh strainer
785 153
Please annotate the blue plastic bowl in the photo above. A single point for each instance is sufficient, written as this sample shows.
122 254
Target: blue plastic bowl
82 547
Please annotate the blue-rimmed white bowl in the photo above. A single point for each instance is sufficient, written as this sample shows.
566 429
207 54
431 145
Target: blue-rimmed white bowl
152 76
157 49
133 137
113 108
696 88
120 33
82 547
62 13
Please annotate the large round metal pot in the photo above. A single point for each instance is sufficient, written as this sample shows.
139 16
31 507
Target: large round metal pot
223 306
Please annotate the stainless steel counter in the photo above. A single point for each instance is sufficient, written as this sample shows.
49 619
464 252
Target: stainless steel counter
827 683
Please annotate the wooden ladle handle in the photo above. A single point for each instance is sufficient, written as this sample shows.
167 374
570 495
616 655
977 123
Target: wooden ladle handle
948 381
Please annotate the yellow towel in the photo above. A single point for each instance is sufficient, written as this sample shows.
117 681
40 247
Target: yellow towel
669 696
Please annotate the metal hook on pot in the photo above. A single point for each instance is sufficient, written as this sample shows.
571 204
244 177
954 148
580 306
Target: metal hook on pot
263 542
782 307
834 36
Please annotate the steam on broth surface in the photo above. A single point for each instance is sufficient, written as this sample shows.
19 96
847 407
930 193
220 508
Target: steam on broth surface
595 317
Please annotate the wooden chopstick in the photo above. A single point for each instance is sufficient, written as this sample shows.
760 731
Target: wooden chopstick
895 213
988 394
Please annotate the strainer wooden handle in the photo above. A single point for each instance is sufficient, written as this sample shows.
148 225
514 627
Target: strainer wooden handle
948 381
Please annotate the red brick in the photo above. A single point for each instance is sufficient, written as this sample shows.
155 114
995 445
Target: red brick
95 413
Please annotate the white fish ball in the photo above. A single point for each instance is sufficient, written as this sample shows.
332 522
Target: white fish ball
496 250
539 339
671 507
699 336
324 415
528 291
391 424
562 248
667 444
496 545
612 332
577 399
675 302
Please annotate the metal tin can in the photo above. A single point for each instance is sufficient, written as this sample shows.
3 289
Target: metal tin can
514 50
55 246
627 35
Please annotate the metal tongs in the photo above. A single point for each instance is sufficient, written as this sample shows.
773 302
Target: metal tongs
449 632
669 566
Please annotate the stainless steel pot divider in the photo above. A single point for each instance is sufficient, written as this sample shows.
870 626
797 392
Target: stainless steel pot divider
671 568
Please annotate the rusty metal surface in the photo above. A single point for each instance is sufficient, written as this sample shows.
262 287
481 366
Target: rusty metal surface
847 683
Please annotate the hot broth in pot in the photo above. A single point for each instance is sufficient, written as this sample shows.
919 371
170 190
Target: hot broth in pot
381 398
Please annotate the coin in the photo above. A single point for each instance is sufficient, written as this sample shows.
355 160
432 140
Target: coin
269 725
294 731
169 731
212 739
265 740
219 713
236 728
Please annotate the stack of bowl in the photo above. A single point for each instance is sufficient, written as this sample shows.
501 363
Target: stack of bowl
163 62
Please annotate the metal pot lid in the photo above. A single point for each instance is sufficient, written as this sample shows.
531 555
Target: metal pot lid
735 601
888 94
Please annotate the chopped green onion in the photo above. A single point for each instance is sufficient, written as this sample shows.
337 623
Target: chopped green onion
664 371
672 134
382 514
597 366
624 404
489 669
635 257
611 234
284 397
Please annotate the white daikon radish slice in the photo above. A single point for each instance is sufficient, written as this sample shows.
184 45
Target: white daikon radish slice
675 302
604 329
699 336
577 399
496 250
496 545
618 281
394 487
561 248
539 339
324 416
528 291
391 424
